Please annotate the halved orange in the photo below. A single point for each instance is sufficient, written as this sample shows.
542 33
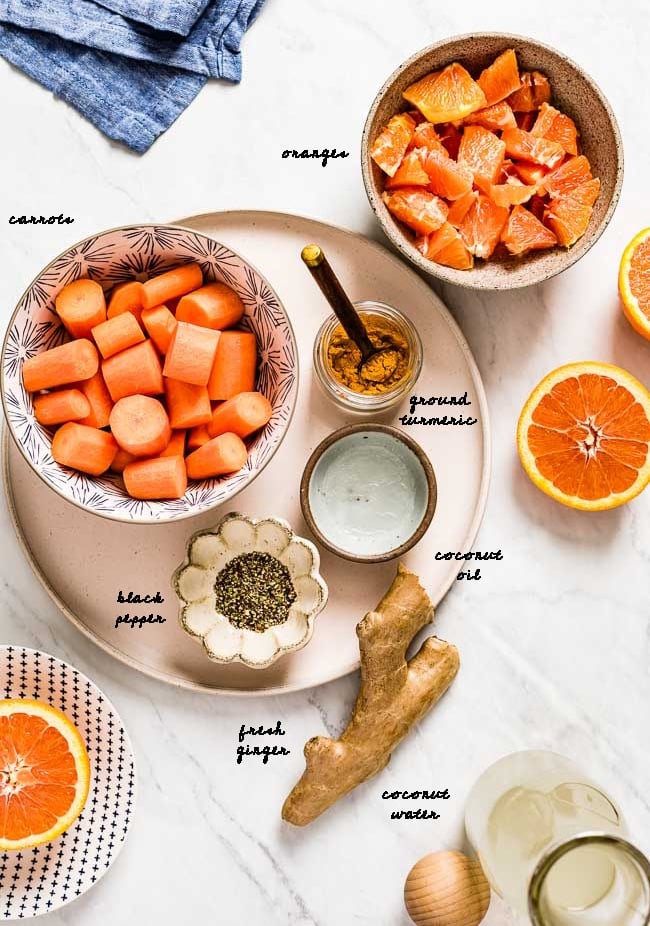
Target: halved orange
524 232
482 226
568 215
446 96
569 175
529 147
501 78
390 146
556 126
483 153
584 436
419 209
447 178
44 773
634 282
496 117
535 89
410 172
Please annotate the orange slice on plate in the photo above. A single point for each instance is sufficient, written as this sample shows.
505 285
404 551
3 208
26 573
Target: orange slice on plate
634 282
44 773
390 146
584 436
501 78
446 96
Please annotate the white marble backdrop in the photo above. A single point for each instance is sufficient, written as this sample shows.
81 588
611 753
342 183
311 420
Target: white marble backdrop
555 640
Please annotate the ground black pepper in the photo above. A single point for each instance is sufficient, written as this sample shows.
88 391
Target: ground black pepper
254 591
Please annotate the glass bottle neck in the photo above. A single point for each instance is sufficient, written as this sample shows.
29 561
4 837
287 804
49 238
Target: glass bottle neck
593 879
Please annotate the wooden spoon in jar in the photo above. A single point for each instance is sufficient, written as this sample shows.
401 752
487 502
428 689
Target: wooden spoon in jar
377 363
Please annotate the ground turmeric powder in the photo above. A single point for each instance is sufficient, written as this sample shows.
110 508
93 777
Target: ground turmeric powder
383 371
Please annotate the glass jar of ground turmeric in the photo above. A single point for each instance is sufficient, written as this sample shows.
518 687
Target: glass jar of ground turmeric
386 378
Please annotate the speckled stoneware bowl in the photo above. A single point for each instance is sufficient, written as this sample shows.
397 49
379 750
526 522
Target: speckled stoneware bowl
137 252
574 92
208 554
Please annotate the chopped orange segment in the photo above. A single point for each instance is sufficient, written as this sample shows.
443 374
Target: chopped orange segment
447 96
455 255
496 117
482 226
390 146
460 207
425 136
535 89
429 245
569 175
447 178
584 436
501 78
511 193
555 126
568 215
417 208
523 232
410 172
450 138
482 152
528 147
532 174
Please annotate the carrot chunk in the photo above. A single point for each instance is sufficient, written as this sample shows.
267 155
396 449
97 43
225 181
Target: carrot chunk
214 305
176 446
134 371
80 306
121 459
235 364
169 285
117 333
61 365
99 399
162 477
57 407
126 297
191 354
87 449
197 437
140 425
243 414
223 454
188 405
160 325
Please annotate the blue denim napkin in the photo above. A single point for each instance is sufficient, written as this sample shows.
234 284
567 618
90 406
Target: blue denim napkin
131 80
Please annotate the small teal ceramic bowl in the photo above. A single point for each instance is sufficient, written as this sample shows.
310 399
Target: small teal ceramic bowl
368 493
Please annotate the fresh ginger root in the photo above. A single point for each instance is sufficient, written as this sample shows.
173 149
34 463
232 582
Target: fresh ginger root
394 695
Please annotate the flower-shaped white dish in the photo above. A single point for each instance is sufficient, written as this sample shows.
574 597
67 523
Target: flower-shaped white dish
138 252
250 573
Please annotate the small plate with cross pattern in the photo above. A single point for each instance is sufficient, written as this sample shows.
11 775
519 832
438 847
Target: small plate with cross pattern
40 880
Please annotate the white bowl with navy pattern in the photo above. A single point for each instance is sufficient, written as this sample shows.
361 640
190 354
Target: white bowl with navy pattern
137 252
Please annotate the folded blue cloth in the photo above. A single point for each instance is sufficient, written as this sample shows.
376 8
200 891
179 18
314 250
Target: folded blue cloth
131 80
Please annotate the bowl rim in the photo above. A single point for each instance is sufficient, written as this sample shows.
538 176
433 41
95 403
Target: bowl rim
424 462
116 516
464 278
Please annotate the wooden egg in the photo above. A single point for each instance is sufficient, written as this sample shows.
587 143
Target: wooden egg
446 889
